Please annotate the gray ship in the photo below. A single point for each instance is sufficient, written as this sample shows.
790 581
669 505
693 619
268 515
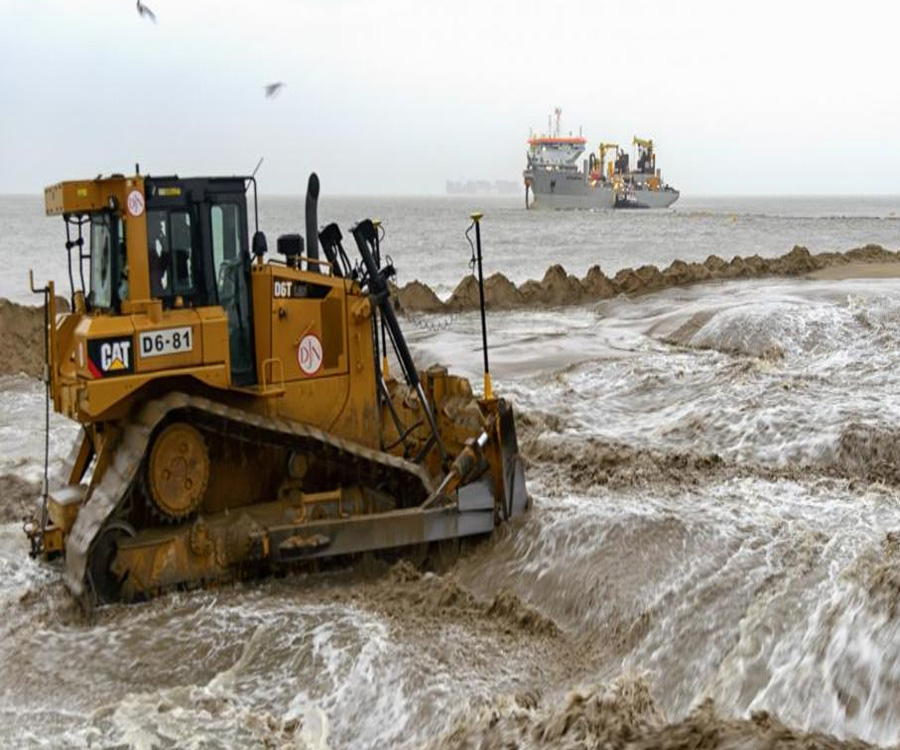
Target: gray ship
554 179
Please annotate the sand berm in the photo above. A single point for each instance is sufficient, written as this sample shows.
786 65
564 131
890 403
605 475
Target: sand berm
558 288
21 335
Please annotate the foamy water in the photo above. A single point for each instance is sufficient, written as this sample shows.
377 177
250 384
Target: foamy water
764 581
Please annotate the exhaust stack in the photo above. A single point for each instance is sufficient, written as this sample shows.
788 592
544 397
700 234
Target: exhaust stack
312 221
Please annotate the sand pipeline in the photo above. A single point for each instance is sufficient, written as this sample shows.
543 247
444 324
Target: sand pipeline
558 288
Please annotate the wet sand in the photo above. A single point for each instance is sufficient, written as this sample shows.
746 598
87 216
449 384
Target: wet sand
857 271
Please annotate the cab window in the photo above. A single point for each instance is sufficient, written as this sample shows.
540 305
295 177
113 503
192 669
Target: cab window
123 261
170 246
102 262
158 249
182 253
226 245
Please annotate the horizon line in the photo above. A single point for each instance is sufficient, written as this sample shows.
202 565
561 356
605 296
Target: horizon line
463 196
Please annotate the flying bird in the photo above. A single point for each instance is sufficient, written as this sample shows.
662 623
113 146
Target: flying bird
145 12
273 89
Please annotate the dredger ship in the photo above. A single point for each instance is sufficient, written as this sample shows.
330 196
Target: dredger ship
555 180
237 411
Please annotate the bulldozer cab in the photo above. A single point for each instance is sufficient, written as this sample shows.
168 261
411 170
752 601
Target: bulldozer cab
179 243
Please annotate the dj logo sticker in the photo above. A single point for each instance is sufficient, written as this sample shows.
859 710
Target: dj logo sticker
135 203
309 354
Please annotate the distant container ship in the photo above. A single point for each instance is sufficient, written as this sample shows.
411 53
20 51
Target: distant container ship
554 179
482 187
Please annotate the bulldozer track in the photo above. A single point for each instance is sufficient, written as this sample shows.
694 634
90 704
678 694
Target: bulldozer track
406 479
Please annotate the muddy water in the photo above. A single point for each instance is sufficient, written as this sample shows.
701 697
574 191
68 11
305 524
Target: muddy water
716 534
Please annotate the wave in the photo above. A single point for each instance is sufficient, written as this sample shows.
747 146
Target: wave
565 464
18 498
622 714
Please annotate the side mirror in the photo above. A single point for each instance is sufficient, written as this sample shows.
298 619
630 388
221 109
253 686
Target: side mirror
260 246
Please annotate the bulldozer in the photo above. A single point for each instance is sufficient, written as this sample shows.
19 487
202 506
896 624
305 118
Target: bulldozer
238 413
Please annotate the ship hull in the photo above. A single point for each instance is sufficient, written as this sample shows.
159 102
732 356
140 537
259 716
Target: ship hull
568 189
656 198
564 189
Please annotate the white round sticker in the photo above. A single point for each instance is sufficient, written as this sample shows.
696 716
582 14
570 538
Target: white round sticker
135 203
309 354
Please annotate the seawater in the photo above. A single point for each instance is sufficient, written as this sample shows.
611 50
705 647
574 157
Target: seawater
426 236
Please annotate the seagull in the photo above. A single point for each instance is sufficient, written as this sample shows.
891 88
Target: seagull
145 12
273 89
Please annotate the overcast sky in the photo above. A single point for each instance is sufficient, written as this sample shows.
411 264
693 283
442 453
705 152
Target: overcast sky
397 96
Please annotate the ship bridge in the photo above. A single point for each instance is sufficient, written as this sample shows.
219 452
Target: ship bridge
556 151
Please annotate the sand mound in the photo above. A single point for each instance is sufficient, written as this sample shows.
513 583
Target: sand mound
500 292
556 289
21 339
17 498
416 296
559 288
870 254
621 715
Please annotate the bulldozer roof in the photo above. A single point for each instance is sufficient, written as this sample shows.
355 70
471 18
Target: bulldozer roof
101 193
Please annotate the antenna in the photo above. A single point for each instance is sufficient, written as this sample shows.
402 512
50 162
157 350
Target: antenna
256 168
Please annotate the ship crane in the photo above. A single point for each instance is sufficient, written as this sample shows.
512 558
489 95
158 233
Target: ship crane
604 147
645 158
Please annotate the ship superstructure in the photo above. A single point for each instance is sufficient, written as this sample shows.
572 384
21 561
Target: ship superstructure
553 176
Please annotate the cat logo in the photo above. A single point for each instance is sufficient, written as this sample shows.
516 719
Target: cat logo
108 357
114 356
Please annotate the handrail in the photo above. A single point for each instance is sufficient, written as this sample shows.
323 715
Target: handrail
318 261
275 384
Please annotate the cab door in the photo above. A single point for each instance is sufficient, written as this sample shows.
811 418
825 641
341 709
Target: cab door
226 217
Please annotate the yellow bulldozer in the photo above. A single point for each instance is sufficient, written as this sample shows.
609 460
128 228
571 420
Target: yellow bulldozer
237 413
